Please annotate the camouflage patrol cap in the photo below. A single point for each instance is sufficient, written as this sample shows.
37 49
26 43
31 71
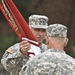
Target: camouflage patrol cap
57 30
38 21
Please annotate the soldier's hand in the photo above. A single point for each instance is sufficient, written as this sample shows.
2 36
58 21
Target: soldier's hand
24 46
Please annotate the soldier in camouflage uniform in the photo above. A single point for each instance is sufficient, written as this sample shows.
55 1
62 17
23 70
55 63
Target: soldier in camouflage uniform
54 61
16 56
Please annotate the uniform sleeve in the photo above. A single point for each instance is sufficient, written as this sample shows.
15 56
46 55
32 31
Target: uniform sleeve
28 68
12 58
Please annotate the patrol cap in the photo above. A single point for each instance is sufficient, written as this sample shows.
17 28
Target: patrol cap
38 21
57 30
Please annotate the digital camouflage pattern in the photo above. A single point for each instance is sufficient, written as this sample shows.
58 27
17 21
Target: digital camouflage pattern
38 21
57 30
13 59
51 62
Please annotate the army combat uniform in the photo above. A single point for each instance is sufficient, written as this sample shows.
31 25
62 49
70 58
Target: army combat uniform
54 61
51 62
13 59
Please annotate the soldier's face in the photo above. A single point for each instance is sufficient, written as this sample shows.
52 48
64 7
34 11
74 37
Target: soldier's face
39 33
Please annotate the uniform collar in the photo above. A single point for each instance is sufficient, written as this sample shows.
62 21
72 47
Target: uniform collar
56 50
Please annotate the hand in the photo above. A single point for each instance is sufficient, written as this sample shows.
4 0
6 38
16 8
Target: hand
24 46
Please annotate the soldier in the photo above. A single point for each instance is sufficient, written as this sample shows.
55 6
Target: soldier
54 61
16 56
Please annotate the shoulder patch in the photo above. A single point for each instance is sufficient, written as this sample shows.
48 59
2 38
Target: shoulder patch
9 50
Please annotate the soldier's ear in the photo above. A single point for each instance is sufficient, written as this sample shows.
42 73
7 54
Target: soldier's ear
66 42
47 40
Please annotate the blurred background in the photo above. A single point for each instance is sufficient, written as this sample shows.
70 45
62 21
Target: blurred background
58 11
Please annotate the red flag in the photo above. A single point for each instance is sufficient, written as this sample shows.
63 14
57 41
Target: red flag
23 27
